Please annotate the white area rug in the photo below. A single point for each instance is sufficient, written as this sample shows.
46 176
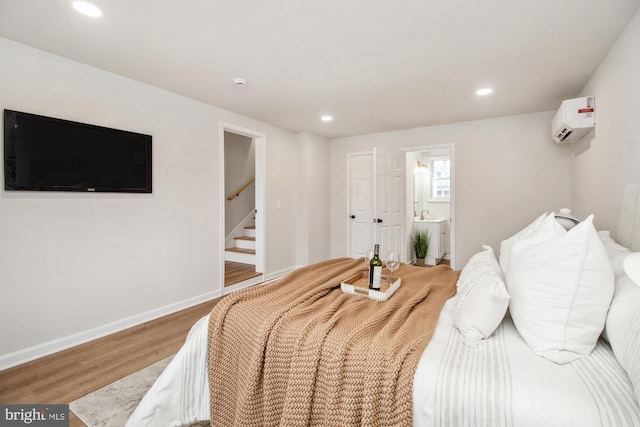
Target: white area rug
112 405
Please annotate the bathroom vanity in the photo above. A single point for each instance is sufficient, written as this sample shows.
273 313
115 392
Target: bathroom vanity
437 231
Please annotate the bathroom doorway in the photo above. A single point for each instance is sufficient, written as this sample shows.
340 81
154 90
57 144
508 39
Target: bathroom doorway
430 199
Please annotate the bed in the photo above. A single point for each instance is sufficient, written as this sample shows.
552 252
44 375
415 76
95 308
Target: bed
510 348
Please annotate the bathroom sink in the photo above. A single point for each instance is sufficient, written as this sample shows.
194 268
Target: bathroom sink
428 219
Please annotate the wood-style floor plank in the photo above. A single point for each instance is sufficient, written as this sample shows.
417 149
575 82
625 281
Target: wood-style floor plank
236 272
70 374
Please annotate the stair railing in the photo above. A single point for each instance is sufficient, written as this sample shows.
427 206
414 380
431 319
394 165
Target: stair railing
245 185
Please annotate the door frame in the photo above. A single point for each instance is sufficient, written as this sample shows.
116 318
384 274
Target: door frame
260 140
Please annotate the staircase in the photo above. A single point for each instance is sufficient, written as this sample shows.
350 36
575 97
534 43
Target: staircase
244 249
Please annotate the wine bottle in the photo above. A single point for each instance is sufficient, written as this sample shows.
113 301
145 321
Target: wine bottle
375 269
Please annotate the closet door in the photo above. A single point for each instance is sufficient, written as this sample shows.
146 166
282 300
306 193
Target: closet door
376 202
361 225
389 194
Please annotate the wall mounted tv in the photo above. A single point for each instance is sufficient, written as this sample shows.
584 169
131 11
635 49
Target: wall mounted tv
44 153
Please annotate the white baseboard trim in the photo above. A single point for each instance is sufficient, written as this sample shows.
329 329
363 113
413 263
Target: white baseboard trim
276 274
256 280
241 285
31 353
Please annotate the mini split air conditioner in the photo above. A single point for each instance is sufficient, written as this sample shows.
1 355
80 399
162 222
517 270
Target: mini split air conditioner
574 119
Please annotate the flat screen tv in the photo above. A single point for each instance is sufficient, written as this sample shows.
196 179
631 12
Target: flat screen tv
44 153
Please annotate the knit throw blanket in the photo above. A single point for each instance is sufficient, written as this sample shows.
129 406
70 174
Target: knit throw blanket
300 352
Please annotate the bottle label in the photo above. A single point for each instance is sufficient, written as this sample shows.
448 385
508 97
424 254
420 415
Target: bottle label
377 277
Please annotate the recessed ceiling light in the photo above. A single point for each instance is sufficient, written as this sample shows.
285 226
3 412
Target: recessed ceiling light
87 9
326 118
484 91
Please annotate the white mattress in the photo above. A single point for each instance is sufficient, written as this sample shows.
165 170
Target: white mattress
501 382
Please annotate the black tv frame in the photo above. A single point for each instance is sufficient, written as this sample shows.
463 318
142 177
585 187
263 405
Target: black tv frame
10 118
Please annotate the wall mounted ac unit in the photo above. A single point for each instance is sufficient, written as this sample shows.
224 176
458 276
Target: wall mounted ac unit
574 119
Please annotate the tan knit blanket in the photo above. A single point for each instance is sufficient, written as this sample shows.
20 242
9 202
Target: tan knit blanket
300 352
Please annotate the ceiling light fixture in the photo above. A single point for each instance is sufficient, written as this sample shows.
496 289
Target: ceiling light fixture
87 9
326 118
484 91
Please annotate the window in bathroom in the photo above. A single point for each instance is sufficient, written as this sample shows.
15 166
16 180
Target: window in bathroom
440 179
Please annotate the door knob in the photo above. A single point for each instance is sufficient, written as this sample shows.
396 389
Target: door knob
353 217
378 220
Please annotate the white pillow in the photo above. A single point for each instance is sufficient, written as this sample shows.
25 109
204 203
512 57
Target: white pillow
616 252
623 328
482 297
560 291
542 228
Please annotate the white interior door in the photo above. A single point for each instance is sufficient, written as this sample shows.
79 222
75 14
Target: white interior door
361 226
389 205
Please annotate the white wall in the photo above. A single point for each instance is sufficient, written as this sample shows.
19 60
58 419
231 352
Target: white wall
313 198
507 172
609 157
73 266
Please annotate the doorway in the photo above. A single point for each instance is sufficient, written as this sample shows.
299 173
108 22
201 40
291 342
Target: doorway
242 176
430 198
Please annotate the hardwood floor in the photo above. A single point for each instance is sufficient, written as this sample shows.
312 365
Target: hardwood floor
236 272
65 376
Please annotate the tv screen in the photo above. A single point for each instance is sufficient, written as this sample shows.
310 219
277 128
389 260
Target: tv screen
44 153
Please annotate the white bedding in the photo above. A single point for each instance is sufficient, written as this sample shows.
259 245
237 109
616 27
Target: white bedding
180 396
500 382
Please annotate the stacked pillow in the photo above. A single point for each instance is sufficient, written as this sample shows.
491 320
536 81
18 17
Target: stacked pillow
616 252
561 284
505 247
482 297
622 328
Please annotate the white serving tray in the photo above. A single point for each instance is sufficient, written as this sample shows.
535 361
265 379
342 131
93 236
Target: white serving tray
358 284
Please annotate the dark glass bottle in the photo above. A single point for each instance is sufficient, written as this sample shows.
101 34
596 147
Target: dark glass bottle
375 269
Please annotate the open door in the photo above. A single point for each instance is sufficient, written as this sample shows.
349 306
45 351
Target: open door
389 194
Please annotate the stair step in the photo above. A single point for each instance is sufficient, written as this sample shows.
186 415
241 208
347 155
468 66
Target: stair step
250 231
245 242
241 250
245 256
